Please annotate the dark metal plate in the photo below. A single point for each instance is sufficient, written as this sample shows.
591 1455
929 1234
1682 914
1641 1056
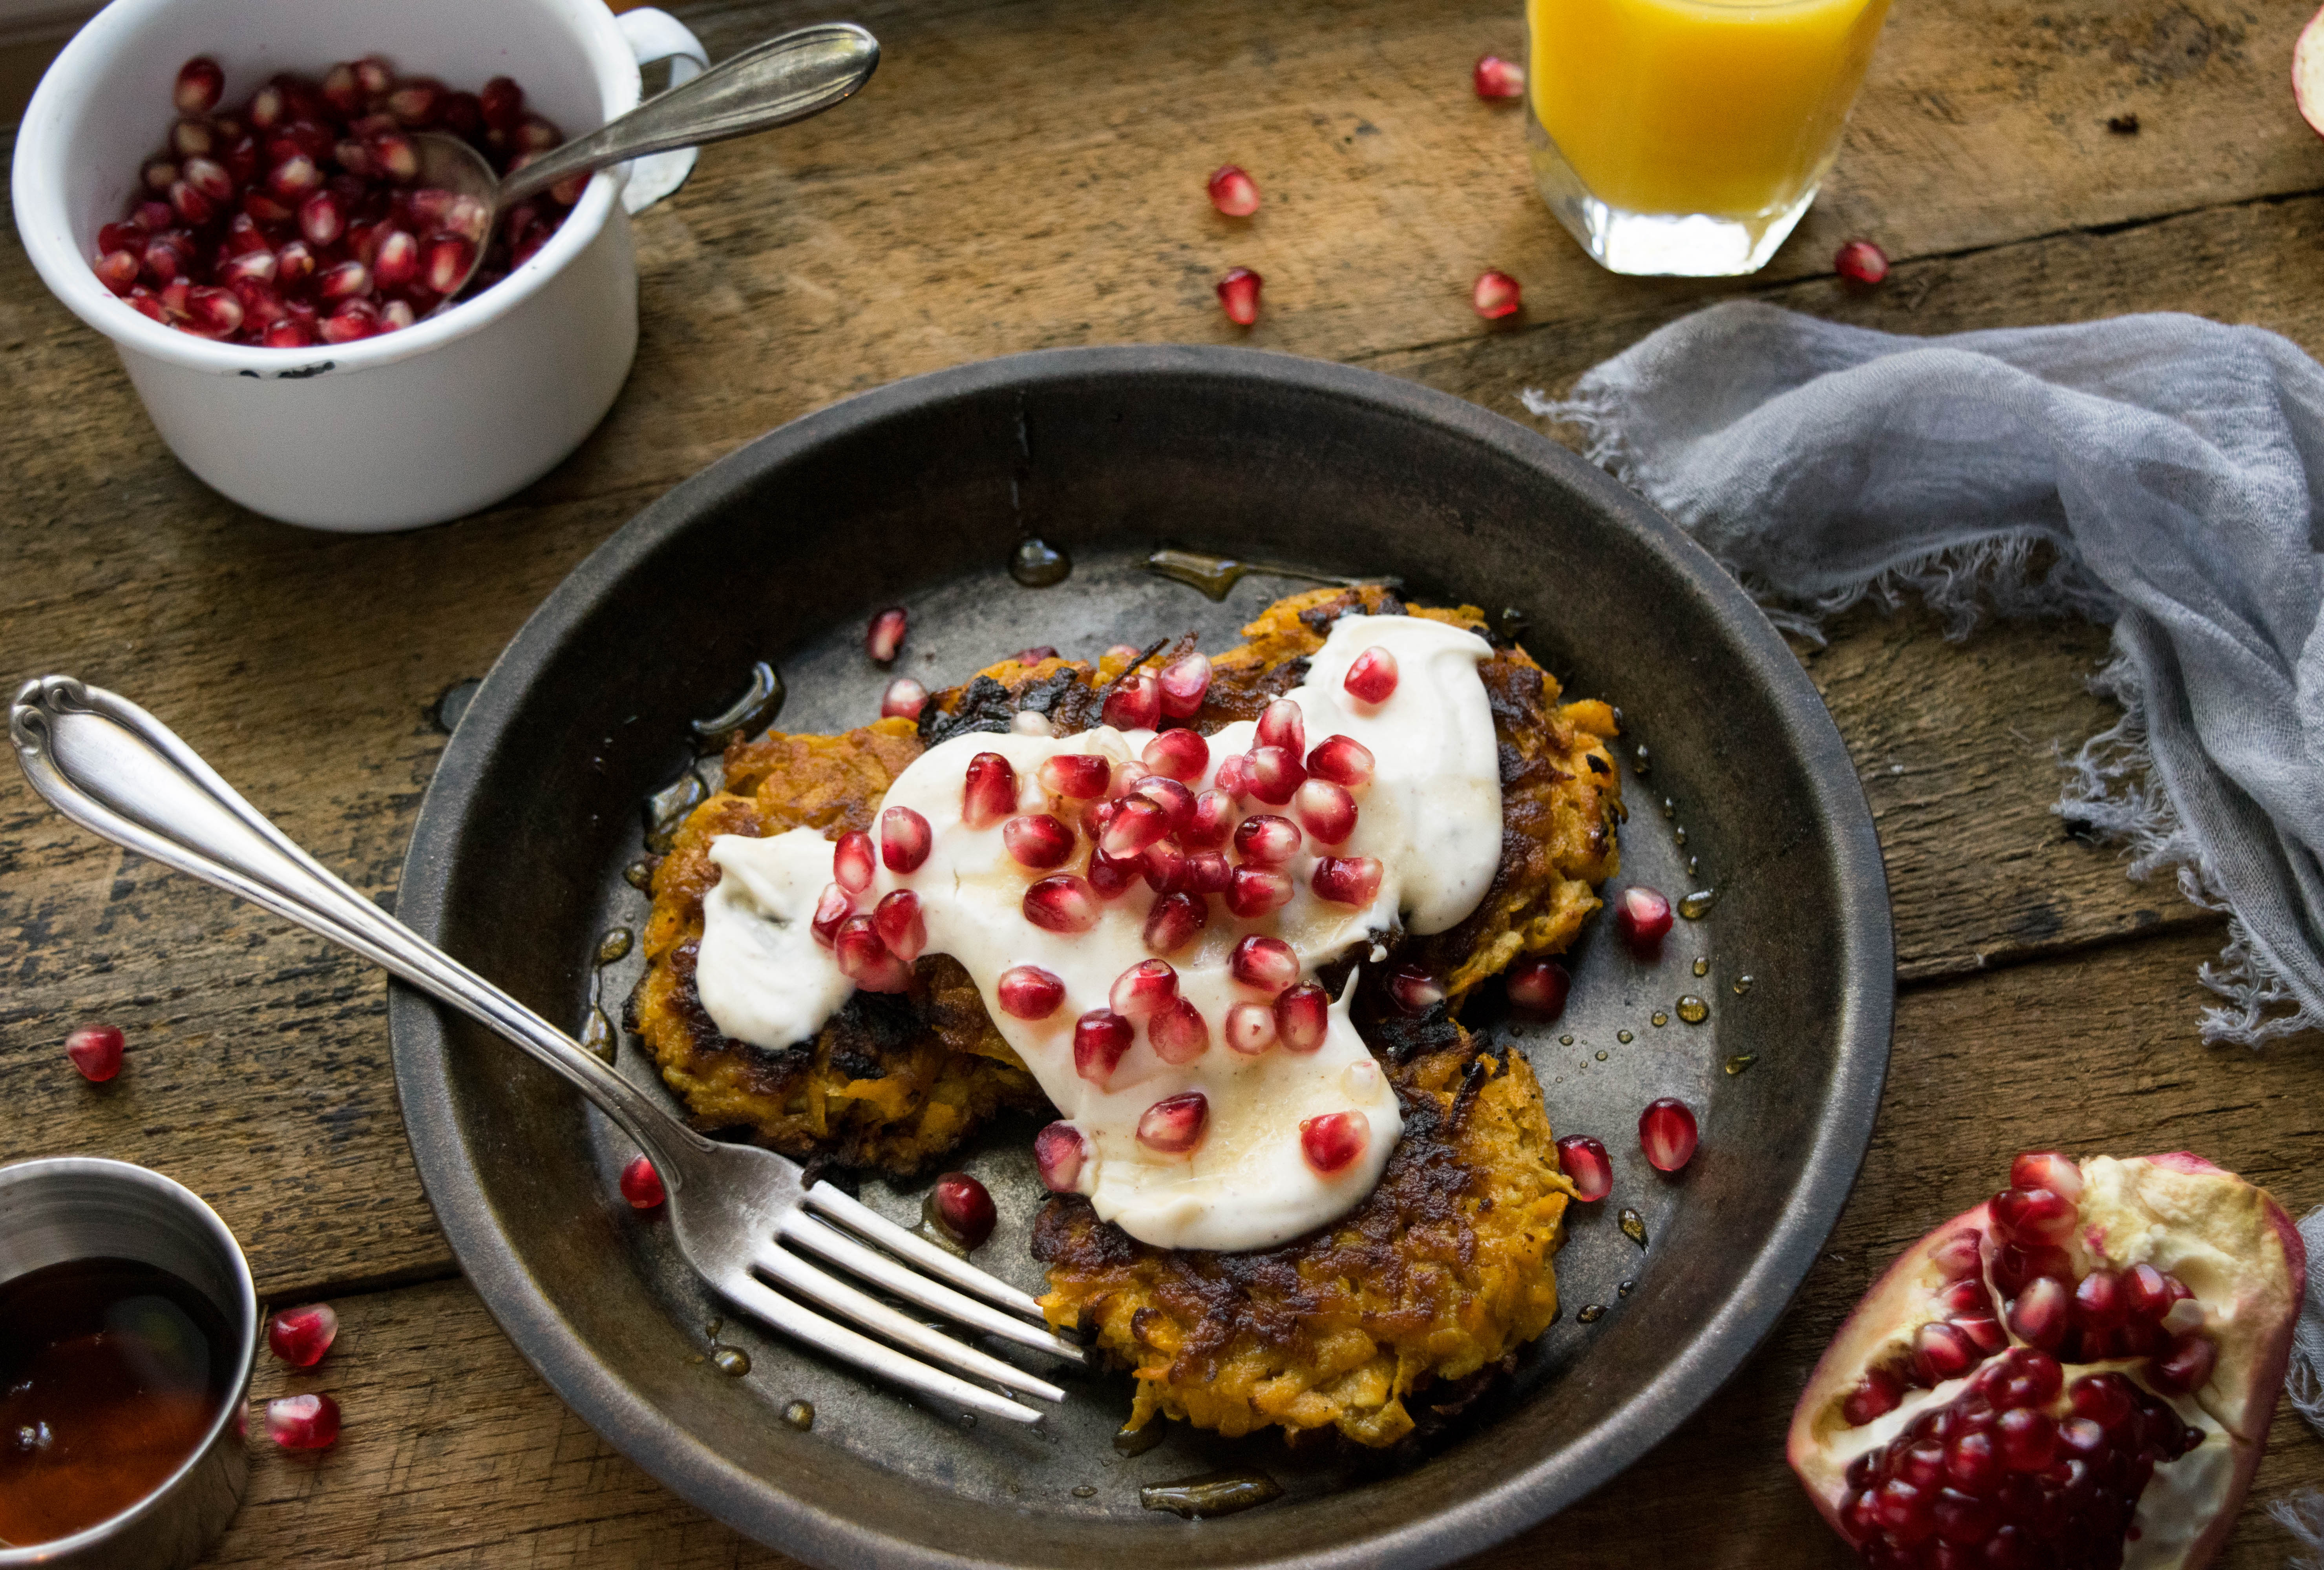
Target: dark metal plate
917 493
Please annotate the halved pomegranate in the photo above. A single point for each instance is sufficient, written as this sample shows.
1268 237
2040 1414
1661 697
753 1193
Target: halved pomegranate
1937 1432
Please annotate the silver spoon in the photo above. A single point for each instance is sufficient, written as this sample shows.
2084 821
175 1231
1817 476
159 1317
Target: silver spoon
787 79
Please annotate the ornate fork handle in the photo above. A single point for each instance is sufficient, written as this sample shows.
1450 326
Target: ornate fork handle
116 771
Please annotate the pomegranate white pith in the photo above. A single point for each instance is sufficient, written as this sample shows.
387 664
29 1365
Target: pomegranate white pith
2308 73
2123 1414
1153 968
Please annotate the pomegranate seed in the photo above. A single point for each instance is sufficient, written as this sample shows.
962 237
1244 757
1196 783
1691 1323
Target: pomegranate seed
299 1337
1257 890
1643 918
1281 724
1348 880
159 174
2012 1266
375 75
1146 987
989 794
1028 992
1666 1133
212 313
831 909
1239 296
1941 1351
1957 1257
1495 295
1062 904
353 158
1178 753
445 262
1038 841
2146 1294
192 139
535 135
2185 1367
1302 1016
2033 1216
129 237
250 267
200 84
1173 1125
1328 811
1584 1161
1263 839
1498 78
96 1051
1135 703
294 263
1139 823
1971 1461
2027 1439
1183 683
267 107
1235 194
1874 1395
2047 1170
1059 1152
1174 921
1334 1141
1035 655
1416 991
1266 963
1251 1028
307 1422
1861 261
1164 866
2099 1303
502 103
1178 1032
1207 872
1078 776
903 700
1111 877
342 90
1232 780
118 271
1175 802
864 957
962 1209
902 925
209 178
1100 1037
851 861
1342 760
641 1184
190 204
348 280
904 840
885 635
1275 775
417 103
1372 679
2039 1313
1539 986
322 219
1966 1296
2103 1399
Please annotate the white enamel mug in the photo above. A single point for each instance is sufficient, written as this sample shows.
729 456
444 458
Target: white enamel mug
409 428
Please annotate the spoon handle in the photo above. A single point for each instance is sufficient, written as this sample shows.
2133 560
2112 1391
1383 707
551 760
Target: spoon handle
772 84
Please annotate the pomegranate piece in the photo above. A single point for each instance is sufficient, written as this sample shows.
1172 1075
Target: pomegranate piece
641 1184
1038 841
1303 1015
299 1337
1416 991
1497 80
1348 880
904 840
1174 921
1249 1028
962 1209
2033 1216
865 959
307 1422
96 1051
1112 877
1334 1141
1061 904
831 909
1029 992
1207 828
851 861
1178 753
1642 917
2005 1446
1274 774
900 926
1077 776
1164 866
1341 759
989 792
1265 839
903 700
1281 724
1208 872
885 634
1138 824
1584 1161
1239 296
1666 1134
1183 682
1037 654
1178 1033
1861 261
1371 678
1100 1037
1175 1124
1495 295
1232 780
1145 987
1135 703
1269 964
1257 890
201 83
1233 193
1176 801
1059 1152
1326 809
1539 987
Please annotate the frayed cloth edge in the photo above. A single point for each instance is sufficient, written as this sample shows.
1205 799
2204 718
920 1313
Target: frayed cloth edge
2302 1515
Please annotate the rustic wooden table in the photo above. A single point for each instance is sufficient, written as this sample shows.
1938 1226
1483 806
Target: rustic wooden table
1025 173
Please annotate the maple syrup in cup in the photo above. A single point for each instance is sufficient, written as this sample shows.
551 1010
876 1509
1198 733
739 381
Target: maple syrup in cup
1687 137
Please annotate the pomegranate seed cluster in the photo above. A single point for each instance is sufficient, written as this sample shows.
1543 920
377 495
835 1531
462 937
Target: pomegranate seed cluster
295 218
2019 1471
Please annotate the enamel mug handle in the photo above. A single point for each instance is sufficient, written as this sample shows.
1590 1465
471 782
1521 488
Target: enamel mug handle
657 35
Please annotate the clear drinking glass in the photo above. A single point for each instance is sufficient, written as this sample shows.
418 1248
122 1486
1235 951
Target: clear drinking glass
1687 136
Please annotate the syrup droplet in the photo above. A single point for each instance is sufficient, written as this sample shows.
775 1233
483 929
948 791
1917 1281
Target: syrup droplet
1658 1019
1513 623
1693 1009
1679 834
1602 1057
1214 576
730 1360
1085 1492
1591 1313
1625 1037
639 875
667 807
615 945
1213 1493
1136 1442
754 711
1670 808
1694 867
1642 762
1634 1227
1624 1289
1038 565
1703 967
1741 1061
1742 985
1565 1040
1696 905
597 1037
800 1415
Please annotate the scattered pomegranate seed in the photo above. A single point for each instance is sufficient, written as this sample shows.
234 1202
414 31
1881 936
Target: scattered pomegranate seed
904 840
1178 753
1495 295
989 792
1861 261
1371 678
1276 774
1643 918
1497 78
96 1051
1080 776
1257 890
1539 986
1327 810
1666 1133
1334 1141
1348 880
1145 987
1208 872
851 861
299 1337
1302 1016
1341 759
1174 800
1135 703
1265 839
1232 780
900 924
1269 964
1585 1160
1035 655
307 1422
641 1184
1059 1152
1165 867
884 636
1178 1032
200 84
1175 1124
1416 991
1174 921
1038 841
962 1208
1282 724
1100 1037
1249 1028
1136 824
1235 194
1112 877
1184 683
1239 296
833 908
1029 992
1061 904
865 959
903 700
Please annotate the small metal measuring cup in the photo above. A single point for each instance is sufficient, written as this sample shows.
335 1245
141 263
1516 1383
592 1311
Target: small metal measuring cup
57 1209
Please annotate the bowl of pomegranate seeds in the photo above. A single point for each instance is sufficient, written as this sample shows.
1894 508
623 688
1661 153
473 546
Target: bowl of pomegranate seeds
233 196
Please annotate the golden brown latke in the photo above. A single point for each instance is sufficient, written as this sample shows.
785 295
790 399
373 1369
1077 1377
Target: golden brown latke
1422 1293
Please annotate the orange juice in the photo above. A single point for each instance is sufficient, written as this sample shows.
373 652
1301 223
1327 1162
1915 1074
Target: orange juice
1728 109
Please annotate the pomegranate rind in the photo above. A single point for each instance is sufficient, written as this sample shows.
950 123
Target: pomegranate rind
2308 73
2227 1239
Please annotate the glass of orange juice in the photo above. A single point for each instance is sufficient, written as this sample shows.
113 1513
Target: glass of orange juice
1687 136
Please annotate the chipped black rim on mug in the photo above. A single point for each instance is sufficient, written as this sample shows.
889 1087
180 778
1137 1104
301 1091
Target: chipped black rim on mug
804 532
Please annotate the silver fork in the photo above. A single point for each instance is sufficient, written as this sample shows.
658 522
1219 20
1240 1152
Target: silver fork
744 1217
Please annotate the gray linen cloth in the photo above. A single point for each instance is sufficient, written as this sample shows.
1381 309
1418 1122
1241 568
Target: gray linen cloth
2166 469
